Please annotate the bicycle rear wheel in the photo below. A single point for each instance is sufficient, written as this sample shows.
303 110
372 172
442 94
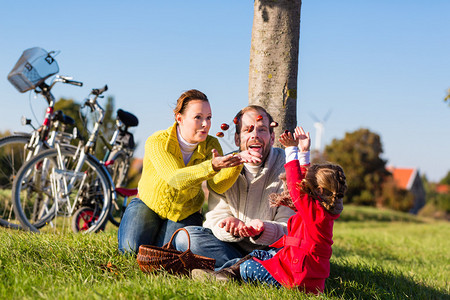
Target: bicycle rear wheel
48 190
14 151
119 171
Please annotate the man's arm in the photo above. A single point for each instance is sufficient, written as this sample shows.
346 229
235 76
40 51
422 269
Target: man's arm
219 212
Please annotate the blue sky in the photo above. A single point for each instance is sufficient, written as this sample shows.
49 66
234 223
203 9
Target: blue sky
382 65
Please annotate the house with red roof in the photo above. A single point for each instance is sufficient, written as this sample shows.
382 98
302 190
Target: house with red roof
442 188
409 179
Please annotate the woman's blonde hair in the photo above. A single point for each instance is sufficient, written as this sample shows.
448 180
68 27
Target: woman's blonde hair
327 184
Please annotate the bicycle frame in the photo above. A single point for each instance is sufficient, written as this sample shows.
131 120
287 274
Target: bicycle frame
82 152
44 134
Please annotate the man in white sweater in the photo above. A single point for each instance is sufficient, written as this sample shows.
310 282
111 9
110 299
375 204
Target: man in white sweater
241 220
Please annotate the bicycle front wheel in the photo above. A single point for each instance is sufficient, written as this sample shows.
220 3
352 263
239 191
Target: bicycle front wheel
14 151
49 189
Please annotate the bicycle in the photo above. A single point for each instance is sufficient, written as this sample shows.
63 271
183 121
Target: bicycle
62 181
20 147
117 161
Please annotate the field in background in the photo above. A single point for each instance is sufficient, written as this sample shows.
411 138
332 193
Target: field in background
377 254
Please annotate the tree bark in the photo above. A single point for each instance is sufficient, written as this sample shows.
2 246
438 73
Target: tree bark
274 60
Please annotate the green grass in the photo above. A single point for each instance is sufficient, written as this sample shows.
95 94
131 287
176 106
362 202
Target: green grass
376 255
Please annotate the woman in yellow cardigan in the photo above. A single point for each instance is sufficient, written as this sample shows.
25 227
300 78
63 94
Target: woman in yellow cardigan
176 162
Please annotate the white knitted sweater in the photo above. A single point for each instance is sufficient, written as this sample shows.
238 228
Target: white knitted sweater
248 202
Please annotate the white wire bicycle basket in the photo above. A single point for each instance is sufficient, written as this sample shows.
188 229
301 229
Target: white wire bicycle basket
32 69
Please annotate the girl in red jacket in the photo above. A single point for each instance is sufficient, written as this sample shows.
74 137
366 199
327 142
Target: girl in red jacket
304 258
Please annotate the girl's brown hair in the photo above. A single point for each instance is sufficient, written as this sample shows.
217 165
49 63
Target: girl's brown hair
327 184
185 98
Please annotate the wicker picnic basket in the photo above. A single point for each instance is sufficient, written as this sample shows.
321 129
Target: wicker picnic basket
152 258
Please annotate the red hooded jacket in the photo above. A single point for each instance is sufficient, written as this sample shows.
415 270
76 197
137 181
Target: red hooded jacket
304 260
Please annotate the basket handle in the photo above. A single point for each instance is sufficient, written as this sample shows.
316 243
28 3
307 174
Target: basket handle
169 244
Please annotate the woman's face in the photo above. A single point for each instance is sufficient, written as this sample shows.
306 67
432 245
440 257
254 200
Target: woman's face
195 121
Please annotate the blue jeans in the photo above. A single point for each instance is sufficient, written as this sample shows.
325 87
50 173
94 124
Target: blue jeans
254 272
142 226
203 242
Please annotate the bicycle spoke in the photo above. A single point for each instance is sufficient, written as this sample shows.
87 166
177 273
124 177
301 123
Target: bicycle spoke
48 190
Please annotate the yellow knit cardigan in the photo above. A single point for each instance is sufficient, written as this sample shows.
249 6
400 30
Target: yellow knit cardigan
172 189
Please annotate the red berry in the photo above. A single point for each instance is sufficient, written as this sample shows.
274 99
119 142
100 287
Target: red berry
259 118
224 126
274 124
220 134
250 129
286 131
235 121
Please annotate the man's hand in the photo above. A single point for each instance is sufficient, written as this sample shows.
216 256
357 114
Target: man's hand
253 228
232 225
250 156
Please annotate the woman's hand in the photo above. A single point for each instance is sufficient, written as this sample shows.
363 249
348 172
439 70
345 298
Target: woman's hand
304 140
227 161
232 225
234 159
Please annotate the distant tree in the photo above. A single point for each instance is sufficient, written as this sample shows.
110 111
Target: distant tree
5 133
274 60
394 197
447 98
446 179
359 155
437 204
74 110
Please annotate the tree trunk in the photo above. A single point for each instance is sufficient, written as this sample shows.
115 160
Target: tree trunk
274 60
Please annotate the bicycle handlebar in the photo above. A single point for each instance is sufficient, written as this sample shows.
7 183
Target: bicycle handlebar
98 92
63 79
91 101
73 82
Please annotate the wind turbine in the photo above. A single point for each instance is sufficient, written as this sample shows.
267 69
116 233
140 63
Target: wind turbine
320 130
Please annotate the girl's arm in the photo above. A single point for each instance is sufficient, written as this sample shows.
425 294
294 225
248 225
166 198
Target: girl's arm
296 162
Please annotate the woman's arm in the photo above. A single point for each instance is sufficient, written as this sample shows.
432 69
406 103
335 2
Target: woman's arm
171 169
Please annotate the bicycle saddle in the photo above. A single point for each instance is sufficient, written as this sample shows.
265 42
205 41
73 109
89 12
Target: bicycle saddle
60 116
127 118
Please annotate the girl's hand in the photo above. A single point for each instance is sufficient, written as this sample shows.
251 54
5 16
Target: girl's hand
288 140
304 140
